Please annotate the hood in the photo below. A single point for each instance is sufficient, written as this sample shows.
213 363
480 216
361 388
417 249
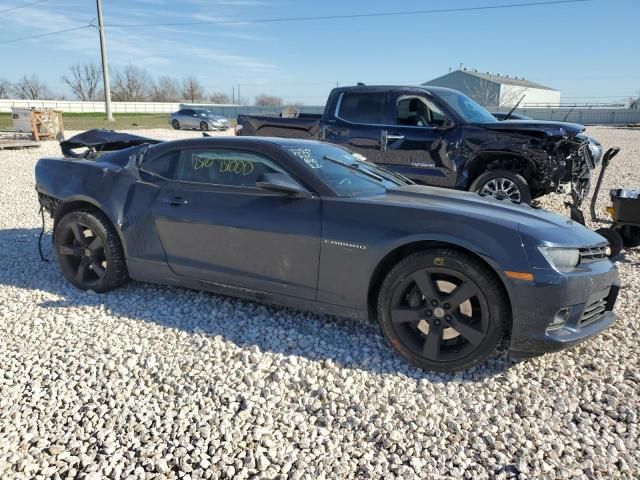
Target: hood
550 128
543 225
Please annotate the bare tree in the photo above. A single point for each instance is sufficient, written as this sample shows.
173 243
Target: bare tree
512 97
221 98
131 85
484 92
31 88
5 88
84 81
166 89
192 90
634 103
265 100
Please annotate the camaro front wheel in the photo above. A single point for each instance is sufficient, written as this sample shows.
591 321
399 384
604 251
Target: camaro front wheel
442 309
89 251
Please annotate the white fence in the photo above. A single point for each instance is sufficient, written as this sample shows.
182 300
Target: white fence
90 107
587 116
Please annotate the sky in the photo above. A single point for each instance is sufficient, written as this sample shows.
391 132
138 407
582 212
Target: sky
590 50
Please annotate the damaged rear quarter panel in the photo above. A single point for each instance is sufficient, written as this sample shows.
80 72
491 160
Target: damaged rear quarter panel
105 185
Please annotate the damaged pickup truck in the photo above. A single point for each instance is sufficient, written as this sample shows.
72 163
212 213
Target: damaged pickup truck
438 136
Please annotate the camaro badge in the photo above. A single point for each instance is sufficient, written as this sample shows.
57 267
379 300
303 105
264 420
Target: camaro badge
345 244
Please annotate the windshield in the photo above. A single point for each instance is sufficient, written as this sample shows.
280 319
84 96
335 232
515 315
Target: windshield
345 173
469 110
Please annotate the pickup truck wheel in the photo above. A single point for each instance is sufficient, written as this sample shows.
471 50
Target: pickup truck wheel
442 310
175 124
204 126
503 184
89 251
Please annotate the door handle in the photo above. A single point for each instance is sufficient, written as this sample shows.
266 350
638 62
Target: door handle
175 201
395 137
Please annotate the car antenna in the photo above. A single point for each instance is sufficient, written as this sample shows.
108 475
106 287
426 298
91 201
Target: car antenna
513 109
567 115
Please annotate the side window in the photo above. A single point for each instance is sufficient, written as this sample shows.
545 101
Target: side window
362 107
418 112
224 167
164 165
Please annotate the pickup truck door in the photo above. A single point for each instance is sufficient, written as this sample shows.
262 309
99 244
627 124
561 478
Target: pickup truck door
416 144
357 123
215 225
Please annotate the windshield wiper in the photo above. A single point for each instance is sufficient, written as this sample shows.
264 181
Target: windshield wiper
395 175
354 167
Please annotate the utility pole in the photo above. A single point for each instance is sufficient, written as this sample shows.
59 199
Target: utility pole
105 67
233 94
238 93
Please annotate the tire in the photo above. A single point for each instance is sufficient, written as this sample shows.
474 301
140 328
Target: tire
204 126
175 124
429 329
503 184
630 235
615 240
89 251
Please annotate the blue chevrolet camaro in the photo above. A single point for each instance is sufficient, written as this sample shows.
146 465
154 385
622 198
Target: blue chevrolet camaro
446 273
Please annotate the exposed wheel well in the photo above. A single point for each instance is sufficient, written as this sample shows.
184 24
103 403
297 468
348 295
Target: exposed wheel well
393 257
506 161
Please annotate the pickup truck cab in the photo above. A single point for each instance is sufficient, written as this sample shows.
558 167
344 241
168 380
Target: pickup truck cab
438 136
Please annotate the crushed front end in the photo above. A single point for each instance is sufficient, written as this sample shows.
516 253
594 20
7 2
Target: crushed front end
571 163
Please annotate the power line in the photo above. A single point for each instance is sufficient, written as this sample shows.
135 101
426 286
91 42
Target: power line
355 15
45 34
22 6
296 19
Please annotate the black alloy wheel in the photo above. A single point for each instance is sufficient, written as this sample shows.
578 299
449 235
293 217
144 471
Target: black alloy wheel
443 310
175 124
204 126
89 251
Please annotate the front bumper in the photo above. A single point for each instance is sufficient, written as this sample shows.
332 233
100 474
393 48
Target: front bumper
588 295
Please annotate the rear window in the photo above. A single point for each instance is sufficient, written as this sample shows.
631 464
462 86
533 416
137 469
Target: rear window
362 107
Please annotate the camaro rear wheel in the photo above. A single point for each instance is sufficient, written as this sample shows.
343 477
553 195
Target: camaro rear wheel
503 184
204 126
442 309
175 124
89 251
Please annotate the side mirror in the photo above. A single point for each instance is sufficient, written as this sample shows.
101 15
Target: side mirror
447 123
281 183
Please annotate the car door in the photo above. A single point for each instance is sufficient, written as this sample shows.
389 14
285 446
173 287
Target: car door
216 225
187 118
416 144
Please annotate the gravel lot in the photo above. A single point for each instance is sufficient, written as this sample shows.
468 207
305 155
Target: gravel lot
159 382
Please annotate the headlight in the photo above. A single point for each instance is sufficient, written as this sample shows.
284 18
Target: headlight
561 257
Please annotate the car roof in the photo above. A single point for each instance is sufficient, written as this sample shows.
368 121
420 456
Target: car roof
386 88
247 141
